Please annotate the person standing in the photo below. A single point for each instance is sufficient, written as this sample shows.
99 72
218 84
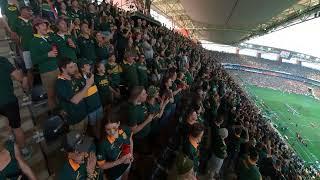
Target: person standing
44 55
9 106
114 70
82 161
142 71
130 73
71 96
13 166
219 154
115 152
191 144
92 99
11 12
101 79
23 28
75 11
86 44
138 119
64 42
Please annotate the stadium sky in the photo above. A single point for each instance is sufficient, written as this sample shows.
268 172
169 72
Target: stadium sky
303 38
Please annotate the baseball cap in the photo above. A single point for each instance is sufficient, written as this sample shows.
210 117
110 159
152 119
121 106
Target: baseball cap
39 20
75 141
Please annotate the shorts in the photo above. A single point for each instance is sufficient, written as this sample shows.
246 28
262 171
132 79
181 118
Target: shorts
214 165
27 59
80 126
95 116
12 113
48 80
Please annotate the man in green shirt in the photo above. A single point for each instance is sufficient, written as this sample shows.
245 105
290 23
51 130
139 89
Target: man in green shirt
86 44
64 42
191 145
92 100
81 162
11 12
114 70
75 11
219 153
138 119
71 96
142 71
9 106
23 27
130 73
43 54
248 168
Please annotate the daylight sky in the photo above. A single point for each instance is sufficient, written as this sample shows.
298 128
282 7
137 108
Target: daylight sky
303 38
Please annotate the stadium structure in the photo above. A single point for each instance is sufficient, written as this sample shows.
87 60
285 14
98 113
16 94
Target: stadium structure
286 94
233 23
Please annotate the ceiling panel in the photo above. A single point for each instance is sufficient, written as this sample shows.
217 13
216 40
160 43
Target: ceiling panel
251 13
208 11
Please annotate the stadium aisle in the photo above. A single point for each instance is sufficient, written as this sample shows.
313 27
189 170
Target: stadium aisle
37 161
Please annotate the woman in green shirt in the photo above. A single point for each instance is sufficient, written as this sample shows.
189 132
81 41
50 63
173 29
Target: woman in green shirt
155 105
12 165
101 79
114 70
115 152
102 49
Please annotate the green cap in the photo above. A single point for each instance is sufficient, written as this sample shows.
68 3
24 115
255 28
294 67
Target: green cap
183 164
152 91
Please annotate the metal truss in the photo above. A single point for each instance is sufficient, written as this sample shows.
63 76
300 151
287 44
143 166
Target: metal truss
301 11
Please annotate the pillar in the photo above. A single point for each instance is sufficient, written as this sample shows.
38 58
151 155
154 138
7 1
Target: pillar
279 58
237 51
258 55
299 62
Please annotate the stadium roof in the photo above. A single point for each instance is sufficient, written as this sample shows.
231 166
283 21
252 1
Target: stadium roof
232 21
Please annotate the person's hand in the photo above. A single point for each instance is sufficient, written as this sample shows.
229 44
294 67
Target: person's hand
14 36
52 53
166 101
25 84
91 163
90 81
71 43
150 117
126 159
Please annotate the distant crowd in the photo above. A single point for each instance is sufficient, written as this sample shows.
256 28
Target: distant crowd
129 91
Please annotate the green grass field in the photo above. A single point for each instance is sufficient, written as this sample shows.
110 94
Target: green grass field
295 113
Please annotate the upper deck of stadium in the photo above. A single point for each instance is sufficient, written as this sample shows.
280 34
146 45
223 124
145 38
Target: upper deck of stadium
233 21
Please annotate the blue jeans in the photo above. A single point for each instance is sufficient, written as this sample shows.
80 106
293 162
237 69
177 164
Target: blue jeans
95 116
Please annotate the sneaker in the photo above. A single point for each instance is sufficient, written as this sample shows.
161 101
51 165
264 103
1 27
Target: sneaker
26 153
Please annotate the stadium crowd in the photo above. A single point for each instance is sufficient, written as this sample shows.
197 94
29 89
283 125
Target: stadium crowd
273 82
128 91
269 64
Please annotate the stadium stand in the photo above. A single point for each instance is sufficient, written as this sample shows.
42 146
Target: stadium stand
272 82
268 64
138 101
